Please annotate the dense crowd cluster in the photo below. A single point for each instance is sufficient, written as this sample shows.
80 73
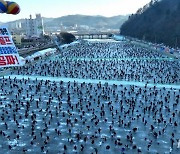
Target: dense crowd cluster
109 61
44 116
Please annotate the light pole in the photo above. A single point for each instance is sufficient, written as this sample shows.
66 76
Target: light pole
176 41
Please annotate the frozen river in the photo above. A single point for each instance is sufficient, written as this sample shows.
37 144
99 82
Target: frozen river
107 97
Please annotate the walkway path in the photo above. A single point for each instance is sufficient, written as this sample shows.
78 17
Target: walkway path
117 59
110 82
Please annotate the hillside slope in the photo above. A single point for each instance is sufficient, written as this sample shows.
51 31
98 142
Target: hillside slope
158 21
71 20
91 21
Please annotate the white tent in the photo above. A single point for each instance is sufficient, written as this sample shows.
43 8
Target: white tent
41 54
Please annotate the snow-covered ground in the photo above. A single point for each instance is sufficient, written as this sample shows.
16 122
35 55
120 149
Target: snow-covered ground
100 40
107 97
94 81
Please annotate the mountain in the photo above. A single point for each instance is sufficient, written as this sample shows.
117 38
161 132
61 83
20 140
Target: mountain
46 20
91 21
95 22
158 21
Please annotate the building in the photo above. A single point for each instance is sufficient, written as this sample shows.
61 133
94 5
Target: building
34 27
17 39
15 25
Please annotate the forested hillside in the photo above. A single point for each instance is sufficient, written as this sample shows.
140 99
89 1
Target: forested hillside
91 21
158 21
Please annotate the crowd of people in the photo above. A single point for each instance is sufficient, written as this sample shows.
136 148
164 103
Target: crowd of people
108 61
44 116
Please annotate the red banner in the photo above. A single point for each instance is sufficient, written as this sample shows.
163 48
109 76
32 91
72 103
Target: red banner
8 52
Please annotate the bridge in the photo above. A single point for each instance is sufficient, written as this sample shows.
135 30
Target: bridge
100 35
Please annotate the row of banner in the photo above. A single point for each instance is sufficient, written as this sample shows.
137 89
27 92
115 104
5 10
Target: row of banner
8 52
166 49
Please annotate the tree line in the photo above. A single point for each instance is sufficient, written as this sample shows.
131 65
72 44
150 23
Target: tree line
158 22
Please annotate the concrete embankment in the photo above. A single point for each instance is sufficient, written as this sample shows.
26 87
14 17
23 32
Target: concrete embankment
30 51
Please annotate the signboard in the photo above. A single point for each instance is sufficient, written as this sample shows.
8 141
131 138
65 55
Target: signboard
8 52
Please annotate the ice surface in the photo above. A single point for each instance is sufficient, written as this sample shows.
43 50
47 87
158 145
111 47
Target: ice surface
109 82
107 97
